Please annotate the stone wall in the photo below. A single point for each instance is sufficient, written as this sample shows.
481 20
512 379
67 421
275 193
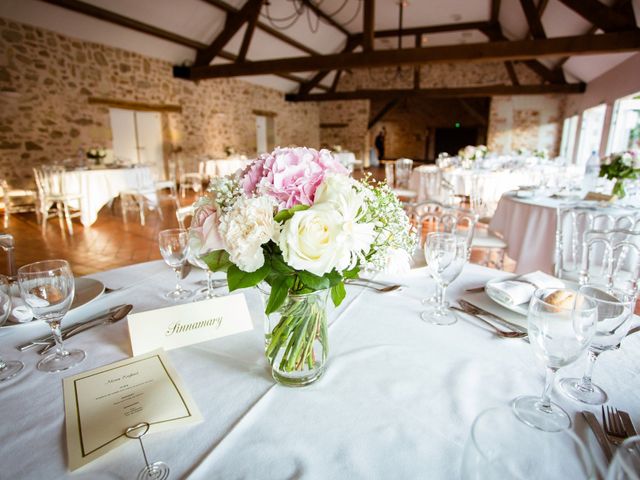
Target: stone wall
46 80
345 124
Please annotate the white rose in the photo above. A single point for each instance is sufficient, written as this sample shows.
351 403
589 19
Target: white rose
626 159
245 228
333 187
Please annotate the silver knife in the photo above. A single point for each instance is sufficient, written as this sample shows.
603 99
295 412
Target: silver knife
49 338
592 421
627 423
496 318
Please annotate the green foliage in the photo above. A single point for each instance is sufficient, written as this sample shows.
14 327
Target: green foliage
338 293
237 278
284 215
217 261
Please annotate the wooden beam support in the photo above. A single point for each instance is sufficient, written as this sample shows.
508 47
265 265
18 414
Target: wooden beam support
449 27
334 125
232 24
512 73
606 18
416 68
111 17
533 19
462 92
368 25
481 119
225 7
330 20
471 52
248 35
383 111
495 11
128 105
336 81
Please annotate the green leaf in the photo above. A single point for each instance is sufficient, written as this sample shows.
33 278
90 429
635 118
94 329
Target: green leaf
353 273
279 265
279 290
313 281
334 277
284 215
217 261
338 293
237 278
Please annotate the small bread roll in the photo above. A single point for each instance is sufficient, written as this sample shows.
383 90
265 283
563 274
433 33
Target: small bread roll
561 299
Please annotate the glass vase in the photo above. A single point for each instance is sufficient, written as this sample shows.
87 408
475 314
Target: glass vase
296 338
618 188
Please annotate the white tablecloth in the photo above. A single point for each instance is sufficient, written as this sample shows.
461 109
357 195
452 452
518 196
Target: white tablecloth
528 225
227 166
98 187
396 402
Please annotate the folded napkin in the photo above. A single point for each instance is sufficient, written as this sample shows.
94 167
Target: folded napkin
520 289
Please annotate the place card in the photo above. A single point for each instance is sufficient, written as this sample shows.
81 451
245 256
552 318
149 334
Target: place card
182 325
101 404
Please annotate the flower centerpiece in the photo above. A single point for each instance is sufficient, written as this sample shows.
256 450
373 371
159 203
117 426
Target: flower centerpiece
96 155
295 224
621 166
470 154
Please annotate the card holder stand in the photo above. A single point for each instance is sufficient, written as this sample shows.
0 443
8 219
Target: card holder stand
154 471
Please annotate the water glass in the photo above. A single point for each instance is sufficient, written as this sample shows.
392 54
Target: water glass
48 288
8 368
196 241
615 311
500 446
558 334
446 255
626 462
174 247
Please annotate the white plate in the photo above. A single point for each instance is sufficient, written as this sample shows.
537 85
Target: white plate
87 290
523 308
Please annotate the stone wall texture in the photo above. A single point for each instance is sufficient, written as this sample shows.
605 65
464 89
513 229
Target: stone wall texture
345 124
46 80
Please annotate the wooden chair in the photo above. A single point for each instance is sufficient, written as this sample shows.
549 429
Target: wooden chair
52 193
18 201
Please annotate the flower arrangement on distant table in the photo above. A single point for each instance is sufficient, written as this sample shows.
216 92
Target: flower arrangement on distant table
295 222
96 154
470 154
621 166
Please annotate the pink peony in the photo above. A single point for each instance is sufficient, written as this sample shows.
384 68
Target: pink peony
291 175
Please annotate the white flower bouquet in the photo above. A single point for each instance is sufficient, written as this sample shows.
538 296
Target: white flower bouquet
296 221
473 153
96 153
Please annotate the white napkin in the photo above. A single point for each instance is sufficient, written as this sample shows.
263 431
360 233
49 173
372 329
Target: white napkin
520 289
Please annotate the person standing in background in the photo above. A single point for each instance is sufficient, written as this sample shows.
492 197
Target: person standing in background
379 142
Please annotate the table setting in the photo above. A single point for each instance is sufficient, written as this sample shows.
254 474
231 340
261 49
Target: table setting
312 349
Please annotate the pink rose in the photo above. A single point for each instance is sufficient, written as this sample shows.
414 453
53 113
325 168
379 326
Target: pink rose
211 234
201 213
291 175
252 175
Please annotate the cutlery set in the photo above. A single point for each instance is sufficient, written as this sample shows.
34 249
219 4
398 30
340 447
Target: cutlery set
616 428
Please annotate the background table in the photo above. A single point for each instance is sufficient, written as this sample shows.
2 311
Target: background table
528 225
226 166
396 402
100 186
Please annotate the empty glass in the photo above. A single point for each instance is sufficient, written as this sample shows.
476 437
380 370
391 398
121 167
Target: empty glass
626 462
502 447
196 241
47 288
558 334
446 255
174 247
615 309
9 368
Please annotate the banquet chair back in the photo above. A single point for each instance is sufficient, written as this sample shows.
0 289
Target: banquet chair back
429 183
403 167
611 258
51 192
434 217
571 225
17 201
182 214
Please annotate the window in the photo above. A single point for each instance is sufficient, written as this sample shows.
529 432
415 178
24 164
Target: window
625 125
568 144
590 133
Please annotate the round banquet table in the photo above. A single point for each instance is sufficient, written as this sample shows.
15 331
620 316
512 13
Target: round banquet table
396 402
528 225
226 166
97 187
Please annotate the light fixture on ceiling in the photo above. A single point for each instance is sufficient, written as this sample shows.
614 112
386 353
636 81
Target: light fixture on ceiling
400 73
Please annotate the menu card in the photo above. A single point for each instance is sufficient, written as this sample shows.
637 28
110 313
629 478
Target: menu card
101 404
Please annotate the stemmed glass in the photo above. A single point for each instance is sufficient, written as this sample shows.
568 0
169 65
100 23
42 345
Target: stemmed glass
174 247
558 334
8 368
615 309
446 255
196 241
47 288
626 462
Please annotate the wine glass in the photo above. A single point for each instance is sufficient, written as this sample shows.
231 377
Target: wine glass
615 309
47 288
174 247
446 255
626 462
500 446
196 241
558 334
8 368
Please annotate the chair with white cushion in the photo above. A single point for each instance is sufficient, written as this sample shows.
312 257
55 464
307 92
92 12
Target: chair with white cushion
17 201
142 197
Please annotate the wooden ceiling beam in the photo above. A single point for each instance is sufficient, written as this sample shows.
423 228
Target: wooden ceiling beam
233 23
409 32
387 107
336 81
461 92
225 7
471 52
597 13
368 25
248 35
512 73
330 20
495 11
533 19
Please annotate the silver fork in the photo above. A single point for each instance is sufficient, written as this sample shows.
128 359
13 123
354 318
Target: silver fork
613 426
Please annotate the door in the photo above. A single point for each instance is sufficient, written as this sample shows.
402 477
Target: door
261 134
123 128
149 133
450 140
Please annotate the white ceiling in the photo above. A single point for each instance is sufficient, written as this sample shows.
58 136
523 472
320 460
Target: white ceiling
198 20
